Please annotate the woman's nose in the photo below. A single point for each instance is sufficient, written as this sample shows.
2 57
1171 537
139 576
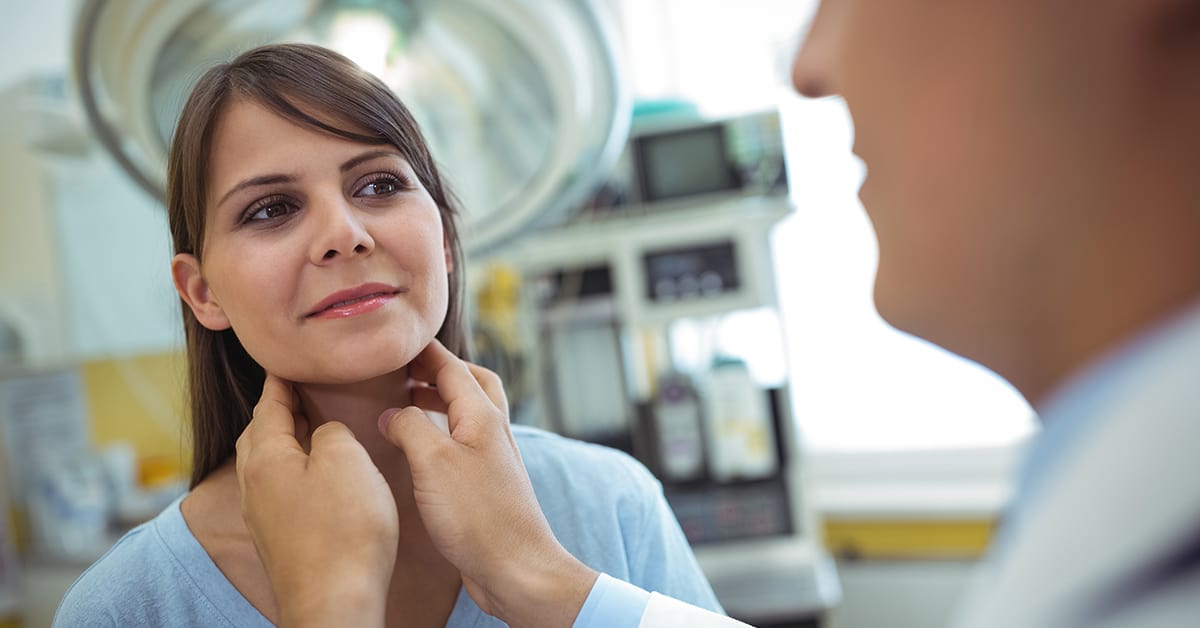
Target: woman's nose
812 74
340 231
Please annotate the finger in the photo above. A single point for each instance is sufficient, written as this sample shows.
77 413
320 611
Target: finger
453 379
428 399
491 384
423 369
488 380
493 387
419 371
412 431
274 413
243 448
330 435
302 434
275 390
336 450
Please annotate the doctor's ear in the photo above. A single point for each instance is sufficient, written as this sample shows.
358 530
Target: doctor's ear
193 289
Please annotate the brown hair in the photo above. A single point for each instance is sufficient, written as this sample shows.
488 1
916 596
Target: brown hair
225 382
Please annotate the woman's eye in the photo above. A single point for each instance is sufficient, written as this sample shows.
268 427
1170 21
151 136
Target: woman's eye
382 186
270 210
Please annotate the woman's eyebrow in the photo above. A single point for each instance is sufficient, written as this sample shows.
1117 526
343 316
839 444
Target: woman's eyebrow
271 179
268 179
367 156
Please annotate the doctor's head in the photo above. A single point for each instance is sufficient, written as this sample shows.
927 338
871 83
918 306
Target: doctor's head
314 237
1023 159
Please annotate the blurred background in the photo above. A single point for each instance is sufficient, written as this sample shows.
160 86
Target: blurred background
666 255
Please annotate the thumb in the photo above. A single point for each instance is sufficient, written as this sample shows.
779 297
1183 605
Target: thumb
334 443
412 431
328 434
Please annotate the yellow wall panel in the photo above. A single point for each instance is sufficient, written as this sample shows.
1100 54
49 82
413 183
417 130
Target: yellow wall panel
141 400
908 539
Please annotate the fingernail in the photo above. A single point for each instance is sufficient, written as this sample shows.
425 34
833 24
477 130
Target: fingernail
386 416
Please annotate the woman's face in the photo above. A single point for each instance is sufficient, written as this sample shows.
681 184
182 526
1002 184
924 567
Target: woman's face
325 256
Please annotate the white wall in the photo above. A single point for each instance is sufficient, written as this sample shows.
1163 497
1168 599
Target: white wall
84 253
32 41
34 37
30 285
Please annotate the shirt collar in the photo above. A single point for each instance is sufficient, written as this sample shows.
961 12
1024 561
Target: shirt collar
1072 411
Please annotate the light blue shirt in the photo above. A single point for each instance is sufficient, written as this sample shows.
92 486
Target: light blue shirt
604 507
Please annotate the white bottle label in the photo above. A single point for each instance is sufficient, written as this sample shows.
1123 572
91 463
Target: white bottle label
741 439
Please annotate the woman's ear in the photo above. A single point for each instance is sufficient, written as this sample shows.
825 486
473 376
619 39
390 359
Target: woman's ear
449 254
193 289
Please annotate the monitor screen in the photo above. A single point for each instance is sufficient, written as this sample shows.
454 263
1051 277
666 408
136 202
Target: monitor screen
683 163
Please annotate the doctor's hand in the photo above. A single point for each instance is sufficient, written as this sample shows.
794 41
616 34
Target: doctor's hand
324 522
475 498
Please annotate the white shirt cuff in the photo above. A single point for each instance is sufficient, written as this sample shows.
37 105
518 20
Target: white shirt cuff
612 604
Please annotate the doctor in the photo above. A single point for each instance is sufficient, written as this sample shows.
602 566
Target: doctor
1034 183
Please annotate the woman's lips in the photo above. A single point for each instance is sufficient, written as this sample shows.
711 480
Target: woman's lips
360 300
355 307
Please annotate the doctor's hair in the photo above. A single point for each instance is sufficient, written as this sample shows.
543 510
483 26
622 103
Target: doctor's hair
315 88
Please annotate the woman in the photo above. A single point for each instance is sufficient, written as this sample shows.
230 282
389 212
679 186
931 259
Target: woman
317 257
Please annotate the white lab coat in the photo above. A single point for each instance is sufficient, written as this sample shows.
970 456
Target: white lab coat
666 612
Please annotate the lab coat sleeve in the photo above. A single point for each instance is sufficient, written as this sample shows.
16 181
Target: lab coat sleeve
614 603
668 612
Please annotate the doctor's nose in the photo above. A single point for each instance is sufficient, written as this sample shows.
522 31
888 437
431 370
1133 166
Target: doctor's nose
340 232
812 73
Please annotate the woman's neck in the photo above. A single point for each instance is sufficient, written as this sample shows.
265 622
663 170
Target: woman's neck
358 406
423 579
421 572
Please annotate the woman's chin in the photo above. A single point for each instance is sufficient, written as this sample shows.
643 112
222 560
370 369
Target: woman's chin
335 372
362 360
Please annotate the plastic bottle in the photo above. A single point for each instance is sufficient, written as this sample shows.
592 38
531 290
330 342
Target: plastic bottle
741 439
679 428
